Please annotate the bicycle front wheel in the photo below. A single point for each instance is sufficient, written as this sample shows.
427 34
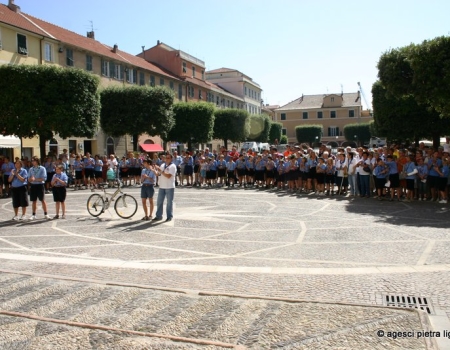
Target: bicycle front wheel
95 205
126 206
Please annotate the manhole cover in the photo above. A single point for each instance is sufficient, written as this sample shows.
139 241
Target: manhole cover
408 301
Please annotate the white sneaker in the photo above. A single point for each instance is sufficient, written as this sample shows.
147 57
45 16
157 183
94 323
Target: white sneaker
15 218
32 217
46 216
443 201
23 217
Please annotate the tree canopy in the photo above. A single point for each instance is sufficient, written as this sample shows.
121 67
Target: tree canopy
231 124
275 132
362 132
259 128
194 122
421 71
309 133
47 100
136 110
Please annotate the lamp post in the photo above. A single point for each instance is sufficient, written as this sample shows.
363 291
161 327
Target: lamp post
356 140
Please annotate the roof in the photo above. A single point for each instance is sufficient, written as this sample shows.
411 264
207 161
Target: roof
351 99
18 20
65 36
221 70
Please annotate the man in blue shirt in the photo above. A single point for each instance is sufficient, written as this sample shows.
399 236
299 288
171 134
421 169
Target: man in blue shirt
37 178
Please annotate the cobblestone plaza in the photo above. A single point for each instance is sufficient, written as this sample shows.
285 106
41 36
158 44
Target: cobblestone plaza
234 269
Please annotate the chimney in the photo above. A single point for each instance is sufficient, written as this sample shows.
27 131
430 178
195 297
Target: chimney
13 7
115 48
158 42
91 35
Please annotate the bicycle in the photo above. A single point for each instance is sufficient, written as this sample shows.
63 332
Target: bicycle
125 205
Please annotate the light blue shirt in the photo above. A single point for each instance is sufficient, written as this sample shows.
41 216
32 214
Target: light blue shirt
231 166
151 173
7 167
16 182
38 172
63 177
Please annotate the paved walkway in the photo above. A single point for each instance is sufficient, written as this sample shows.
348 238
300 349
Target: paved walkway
332 253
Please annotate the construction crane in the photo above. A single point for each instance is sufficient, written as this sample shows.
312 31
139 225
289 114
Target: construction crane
364 97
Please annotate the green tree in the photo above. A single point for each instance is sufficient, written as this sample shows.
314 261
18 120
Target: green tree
401 119
194 122
361 131
309 133
420 70
136 110
275 132
231 124
283 140
259 128
48 100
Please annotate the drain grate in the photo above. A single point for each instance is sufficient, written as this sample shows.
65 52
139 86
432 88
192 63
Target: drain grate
408 301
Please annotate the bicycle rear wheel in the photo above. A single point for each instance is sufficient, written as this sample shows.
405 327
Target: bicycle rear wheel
126 206
95 205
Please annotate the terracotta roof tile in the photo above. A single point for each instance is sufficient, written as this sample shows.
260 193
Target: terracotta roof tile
221 70
18 20
316 101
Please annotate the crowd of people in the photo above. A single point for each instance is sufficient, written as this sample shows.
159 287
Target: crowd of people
385 173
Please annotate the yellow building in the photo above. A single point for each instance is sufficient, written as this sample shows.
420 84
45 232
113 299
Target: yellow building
25 39
332 111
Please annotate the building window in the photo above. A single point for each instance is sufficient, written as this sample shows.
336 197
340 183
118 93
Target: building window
131 75
69 57
184 67
332 114
193 72
320 114
305 115
152 80
332 99
118 72
245 90
351 113
232 104
171 85
161 81
109 146
22 44
0 39
89 63
200 94
191 91
141 78
105 68
333 131
283 131
283 116
180 92
217 100
48 51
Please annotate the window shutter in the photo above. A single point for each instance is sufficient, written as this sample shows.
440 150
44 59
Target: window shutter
337 131
134 76
329 131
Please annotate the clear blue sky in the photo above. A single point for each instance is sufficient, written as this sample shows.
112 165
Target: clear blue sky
289 47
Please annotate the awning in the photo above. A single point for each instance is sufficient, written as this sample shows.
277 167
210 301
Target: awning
149 147
9 141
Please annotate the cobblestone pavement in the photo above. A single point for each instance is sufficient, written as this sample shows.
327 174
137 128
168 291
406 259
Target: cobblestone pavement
330 253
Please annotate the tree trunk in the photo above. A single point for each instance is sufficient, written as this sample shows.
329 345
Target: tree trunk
225 141
42 153
189 145
135 141
436 140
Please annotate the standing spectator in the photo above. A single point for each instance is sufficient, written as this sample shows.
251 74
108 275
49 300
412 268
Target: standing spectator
7 166
167 173
18 178
49 166
59 184
98 171
422 179
88 165
37 178
394 178
148 180
78 167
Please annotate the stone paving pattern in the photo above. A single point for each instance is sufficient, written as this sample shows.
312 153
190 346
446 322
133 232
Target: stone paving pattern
248 242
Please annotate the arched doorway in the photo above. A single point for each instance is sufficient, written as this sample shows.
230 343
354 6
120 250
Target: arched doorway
53 150
149 142
109 146
349 143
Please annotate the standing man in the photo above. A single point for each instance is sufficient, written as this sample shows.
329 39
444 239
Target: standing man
166 182
37 178
148 180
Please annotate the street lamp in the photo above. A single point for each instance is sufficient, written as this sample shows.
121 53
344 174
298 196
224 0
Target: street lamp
356 140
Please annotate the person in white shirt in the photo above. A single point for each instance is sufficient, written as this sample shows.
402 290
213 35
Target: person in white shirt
166 182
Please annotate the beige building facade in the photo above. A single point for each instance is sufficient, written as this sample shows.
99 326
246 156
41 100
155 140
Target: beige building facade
332 111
